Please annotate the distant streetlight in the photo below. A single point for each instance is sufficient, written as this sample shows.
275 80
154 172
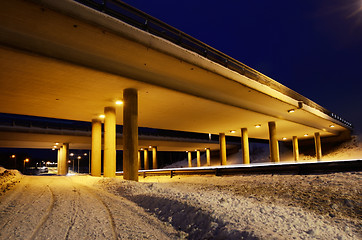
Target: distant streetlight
14 158
25 161
79 157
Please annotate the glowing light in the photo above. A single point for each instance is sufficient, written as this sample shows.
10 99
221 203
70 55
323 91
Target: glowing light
85 154
12 156
56 143
69 161
331 126
71 154
119 102
305 135
53 149
26 160
102 116
284 138
79 157
149 146
258 125
232 131
141 149
54 146
291 111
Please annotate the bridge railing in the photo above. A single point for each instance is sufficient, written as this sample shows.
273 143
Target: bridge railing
145 22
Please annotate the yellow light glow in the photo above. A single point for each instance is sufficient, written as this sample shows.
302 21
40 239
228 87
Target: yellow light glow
85 154
79 157
305 135
119 102
71 154
53 149
291 111
69 161
258 125
331 126
54 146
149 146
102 116
232 131
12 156
26 160
141 148
56 143
284 138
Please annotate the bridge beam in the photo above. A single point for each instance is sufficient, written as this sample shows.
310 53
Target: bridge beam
273 143
222 141
96 162
245 145
130 134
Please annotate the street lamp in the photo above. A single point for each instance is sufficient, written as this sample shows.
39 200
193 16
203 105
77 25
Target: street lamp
25 161
79 157
14 160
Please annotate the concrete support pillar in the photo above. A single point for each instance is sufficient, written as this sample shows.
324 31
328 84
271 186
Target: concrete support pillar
109 167
96 159
63 160
208 162
273 143
222 142
139 160
130 134
59 160
318 145
198 157
295 148
154 158
145 159
189 159
245 145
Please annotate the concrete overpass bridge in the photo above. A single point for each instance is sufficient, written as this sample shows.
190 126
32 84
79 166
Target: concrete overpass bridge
75 59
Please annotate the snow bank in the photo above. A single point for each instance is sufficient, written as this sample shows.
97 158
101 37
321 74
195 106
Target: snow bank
252 207
8 178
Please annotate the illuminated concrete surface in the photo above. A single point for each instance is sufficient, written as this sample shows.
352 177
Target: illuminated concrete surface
273 143
318 146
295 148
109 142
222 142
92 62
245 145
96 163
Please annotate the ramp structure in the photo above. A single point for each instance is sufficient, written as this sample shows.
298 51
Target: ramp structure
77 59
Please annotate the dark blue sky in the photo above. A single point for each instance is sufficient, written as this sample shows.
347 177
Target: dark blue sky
313 47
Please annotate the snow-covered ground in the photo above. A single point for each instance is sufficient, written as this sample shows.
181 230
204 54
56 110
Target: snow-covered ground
324 206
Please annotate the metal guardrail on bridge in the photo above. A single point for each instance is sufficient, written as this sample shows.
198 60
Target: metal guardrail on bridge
145 22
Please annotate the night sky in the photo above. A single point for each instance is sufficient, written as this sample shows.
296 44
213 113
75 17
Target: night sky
313 47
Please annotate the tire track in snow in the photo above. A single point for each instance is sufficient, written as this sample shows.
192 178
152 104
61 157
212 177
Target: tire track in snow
46 216
112 222
75 211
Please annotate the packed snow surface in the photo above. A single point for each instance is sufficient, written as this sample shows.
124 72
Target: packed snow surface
327 206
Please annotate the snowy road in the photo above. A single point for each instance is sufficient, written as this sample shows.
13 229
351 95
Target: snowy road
53 207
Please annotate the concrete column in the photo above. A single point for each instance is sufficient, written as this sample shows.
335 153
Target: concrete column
198 157
189 159
145 159
59 160
208 162
109 167
154 158
96 159
295 149
222 142
130 134
63 170
245 145
318 146
273 143
139 160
